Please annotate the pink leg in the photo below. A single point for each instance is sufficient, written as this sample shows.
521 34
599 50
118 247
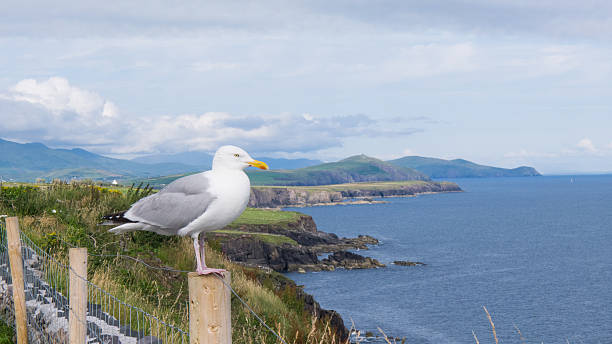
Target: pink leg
196 248
203 251
202 269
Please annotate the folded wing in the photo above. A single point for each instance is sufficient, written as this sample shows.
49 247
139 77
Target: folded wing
175 206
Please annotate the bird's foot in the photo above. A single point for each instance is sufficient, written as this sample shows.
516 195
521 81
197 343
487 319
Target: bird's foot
208 271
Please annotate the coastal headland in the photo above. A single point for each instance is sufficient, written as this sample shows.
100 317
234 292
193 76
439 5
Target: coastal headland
299 196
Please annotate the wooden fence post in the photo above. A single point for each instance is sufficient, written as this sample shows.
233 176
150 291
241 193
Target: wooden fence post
16 262
77 323
210 320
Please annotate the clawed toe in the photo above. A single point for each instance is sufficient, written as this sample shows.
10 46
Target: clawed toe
207 271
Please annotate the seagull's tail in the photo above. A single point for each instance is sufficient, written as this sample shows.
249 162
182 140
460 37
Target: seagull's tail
115 219
123 224
129 227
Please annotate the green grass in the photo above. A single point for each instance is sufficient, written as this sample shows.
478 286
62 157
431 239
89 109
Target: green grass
253 216
275 239
6 333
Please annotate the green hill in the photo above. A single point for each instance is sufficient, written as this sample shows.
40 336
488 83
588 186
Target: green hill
460 168
26 162
358 168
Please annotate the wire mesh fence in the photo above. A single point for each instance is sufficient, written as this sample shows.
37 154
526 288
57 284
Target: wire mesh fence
108 321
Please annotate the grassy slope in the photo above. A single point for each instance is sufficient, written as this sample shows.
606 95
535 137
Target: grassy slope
253 216
77 211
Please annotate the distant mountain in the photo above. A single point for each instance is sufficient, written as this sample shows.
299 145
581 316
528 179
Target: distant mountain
459 168
358 168
204 160
288 164
26 162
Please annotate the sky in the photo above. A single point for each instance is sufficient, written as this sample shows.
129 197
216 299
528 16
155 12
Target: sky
506 82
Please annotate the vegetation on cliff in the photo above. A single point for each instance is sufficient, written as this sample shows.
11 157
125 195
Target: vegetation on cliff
52 214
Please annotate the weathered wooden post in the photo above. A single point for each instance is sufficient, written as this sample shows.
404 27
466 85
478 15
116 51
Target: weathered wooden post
77 321
16 262
210 320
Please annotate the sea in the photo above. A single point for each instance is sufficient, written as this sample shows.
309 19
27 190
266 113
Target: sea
535 251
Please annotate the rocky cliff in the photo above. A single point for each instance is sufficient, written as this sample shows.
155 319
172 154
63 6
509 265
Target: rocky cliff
272 197
260 245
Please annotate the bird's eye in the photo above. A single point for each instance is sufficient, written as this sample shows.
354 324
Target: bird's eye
237 155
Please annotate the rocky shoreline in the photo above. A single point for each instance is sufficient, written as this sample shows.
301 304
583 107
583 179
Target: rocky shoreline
247 244
299 196
296 246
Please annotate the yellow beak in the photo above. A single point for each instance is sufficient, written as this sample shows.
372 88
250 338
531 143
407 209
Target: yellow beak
258 164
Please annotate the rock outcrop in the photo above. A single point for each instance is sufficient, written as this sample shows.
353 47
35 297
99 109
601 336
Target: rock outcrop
350 261
274 197
285 257
408 263
251 250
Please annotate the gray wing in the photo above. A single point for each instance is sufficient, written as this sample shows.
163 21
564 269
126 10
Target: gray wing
176 205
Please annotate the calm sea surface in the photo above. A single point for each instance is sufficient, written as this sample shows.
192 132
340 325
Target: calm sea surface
537 252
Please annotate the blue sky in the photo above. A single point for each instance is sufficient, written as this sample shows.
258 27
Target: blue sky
497 82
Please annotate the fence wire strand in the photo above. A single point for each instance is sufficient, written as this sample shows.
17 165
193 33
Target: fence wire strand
134 324
109 320
163 268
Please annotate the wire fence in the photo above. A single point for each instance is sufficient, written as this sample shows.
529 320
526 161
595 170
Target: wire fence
108 321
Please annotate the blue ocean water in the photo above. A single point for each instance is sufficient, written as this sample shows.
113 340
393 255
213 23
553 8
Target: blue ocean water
537 252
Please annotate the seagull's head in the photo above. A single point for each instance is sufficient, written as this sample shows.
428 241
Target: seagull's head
233 157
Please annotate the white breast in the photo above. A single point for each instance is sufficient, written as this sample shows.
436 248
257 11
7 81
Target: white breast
231 190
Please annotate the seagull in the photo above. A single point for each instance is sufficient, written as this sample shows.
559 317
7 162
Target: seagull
190 205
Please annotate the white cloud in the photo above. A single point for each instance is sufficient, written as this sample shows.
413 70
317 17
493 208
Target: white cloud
586 145
407 151
109 109
57 95
59 114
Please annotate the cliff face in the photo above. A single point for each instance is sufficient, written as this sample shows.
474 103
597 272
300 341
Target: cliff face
272 197
284 257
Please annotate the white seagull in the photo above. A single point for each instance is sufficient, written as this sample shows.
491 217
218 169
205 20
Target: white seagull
201 202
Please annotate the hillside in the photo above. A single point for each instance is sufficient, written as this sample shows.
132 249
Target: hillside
358 168
459 168
71 213
26 162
